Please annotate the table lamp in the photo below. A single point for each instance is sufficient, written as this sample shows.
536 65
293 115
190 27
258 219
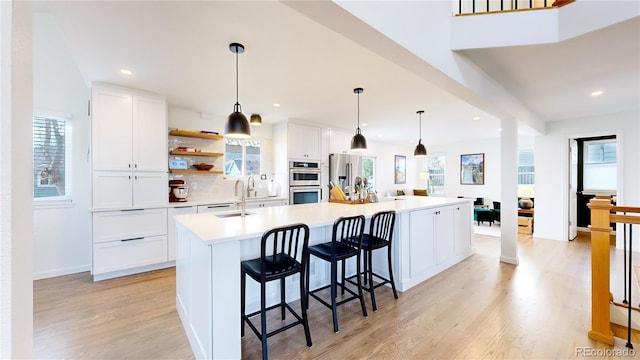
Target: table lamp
525 193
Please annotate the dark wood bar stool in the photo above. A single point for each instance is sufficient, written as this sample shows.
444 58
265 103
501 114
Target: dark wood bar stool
345 243
279 252
380 235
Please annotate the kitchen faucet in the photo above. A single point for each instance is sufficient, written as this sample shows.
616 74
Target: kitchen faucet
251 184
242 201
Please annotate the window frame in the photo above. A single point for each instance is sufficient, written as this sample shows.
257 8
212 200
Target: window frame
244 157
65 200
444 175
524 173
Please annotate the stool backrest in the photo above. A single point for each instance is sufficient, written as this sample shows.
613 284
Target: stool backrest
382 224
348 230
286 240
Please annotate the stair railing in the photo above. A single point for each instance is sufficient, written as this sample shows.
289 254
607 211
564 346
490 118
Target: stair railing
469 7
602 215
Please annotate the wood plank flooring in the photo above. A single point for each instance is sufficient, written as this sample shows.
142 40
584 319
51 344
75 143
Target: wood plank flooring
479 309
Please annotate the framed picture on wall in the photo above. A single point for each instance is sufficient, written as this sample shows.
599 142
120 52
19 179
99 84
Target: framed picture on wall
400 175
472 169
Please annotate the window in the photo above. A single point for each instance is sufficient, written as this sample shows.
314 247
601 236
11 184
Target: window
435 179
243 157
369 172
600 169
51 158
526 166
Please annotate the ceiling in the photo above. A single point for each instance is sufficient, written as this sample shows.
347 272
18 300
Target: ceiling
181 50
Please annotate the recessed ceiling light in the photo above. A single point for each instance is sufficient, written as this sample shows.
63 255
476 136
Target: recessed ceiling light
276 105
476 118
499 129
410 141
597 93
379 135
364 124
126 72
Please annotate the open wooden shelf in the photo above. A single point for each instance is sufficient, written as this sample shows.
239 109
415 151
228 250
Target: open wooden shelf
199 153
195 134
196 172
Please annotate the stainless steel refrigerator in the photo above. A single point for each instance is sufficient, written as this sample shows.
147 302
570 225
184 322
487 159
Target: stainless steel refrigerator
343 169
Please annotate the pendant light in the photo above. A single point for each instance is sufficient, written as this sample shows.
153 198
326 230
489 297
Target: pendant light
420 149
237 125
256 120
358 142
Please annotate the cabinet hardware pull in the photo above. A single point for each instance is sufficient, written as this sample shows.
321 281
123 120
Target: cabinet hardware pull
132 210
138 238
136 166
182 207
129 166
217 206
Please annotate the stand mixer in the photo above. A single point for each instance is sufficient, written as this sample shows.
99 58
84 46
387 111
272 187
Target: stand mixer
178 191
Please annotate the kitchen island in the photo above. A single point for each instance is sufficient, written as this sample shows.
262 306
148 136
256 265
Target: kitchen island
431 235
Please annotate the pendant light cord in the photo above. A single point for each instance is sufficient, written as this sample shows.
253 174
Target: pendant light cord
420 126
237 103
358 112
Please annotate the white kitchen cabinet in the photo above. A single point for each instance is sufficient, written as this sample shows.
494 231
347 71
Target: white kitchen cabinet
463 218
422 247
128 190
438 238
339 142
325 135
171 223
125 241
128 129
304 142
444 228
265 203
129 148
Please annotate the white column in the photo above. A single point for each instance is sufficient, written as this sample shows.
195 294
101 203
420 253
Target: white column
509 191
16 187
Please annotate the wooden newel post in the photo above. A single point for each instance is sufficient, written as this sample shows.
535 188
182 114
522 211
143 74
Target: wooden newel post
600 267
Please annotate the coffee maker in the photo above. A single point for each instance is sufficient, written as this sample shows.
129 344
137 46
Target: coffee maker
178 191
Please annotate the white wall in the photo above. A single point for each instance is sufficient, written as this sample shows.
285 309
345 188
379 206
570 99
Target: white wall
552 167
207 187
490 191
16 79
62 235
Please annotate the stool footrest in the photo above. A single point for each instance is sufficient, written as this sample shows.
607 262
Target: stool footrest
299 320
354 295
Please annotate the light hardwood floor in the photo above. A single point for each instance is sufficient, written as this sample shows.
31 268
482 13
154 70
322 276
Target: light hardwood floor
479 309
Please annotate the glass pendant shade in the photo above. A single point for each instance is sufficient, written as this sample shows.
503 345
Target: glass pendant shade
256 120
420 149
358 142
237 125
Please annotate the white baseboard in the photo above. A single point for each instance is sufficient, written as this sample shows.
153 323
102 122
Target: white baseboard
60 272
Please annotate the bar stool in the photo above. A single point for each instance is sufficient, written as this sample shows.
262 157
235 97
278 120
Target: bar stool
279 251
345 243
379 236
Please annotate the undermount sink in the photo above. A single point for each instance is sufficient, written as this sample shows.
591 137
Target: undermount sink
233 214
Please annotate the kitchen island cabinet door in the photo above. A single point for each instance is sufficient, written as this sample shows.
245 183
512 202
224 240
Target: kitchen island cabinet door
462 229
444 234
422 247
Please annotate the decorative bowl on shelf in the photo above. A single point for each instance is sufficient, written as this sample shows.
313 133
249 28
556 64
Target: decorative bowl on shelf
203 166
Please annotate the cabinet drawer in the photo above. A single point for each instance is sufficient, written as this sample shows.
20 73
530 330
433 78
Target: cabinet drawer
122 225
120 255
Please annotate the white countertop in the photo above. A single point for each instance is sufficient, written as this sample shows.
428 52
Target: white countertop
227 200
212 229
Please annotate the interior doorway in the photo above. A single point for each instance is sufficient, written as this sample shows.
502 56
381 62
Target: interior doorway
593 171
